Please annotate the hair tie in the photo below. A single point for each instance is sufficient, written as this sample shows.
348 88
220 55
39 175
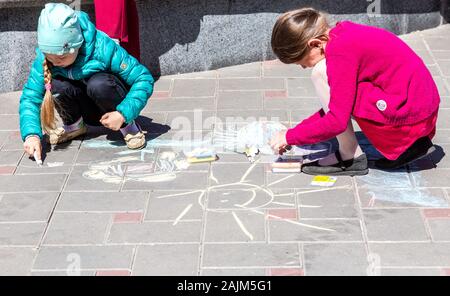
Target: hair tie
48 86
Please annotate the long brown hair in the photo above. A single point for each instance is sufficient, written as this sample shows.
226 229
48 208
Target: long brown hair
48 105
294 29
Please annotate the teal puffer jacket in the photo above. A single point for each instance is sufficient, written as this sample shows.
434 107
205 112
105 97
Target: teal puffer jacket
99 53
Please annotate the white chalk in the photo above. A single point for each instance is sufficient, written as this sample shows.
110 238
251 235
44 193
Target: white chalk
37 158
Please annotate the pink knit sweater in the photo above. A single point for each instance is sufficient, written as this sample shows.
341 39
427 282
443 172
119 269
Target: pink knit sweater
372 75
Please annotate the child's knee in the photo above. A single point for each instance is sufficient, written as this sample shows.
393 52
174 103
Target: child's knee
103 86
64 89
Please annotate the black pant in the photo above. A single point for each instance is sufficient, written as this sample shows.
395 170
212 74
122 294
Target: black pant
89 99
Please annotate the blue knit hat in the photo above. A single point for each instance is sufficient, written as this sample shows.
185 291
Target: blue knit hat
59 30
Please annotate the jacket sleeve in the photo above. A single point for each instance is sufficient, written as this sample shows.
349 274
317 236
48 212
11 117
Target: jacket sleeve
342 74
31 100
135 75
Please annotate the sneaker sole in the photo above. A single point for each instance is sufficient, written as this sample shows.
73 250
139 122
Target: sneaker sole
69 138
343 173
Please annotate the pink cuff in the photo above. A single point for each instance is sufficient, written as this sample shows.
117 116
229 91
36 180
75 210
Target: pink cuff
290 137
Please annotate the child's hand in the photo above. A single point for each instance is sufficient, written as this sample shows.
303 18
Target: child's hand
33 144
279 143
112 120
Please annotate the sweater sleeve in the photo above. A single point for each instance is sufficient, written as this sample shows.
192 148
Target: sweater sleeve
134 74
31 100
342 74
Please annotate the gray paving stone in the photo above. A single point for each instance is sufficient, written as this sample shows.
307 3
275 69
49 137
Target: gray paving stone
155 232
335 260
306 230
21 234
298 115
163 85
440 229
10 102
299 181
156 117
12 141
77 228
194 88
232 272
339 203
412 254
395 225
251 255
192 75
292 104
410 272
169 205
36 183
249 116
78 182
10 158
249 100
234 226
442 137
27 207
432 178
167 260
260 199
202 120
183 181
438 43
244 71
89 257
251 84
97 155
379 179
445 67
102 202
441 54
233 173
442 88
34 169
9 122
301 87
443 121
63 273
64 156
426 56
395 197
445 101
16 261
434 70
416 44
185 104
282 70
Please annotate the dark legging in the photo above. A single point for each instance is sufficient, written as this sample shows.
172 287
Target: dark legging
91 99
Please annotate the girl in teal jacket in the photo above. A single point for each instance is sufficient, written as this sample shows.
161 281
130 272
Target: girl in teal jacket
86 77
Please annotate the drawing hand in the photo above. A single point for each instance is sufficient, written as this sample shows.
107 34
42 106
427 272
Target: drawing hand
32 144
279 143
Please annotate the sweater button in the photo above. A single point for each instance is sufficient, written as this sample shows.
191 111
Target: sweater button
381 105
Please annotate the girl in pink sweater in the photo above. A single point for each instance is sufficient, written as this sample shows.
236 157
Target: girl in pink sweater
362 72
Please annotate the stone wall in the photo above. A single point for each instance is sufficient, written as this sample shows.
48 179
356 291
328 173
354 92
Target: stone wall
196 35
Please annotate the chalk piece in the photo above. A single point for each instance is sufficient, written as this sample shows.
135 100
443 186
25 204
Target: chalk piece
323 181
38 159
287 164
199 155
55 164
201 159
286 170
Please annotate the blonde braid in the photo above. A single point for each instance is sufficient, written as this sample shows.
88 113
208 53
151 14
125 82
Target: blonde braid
48 106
